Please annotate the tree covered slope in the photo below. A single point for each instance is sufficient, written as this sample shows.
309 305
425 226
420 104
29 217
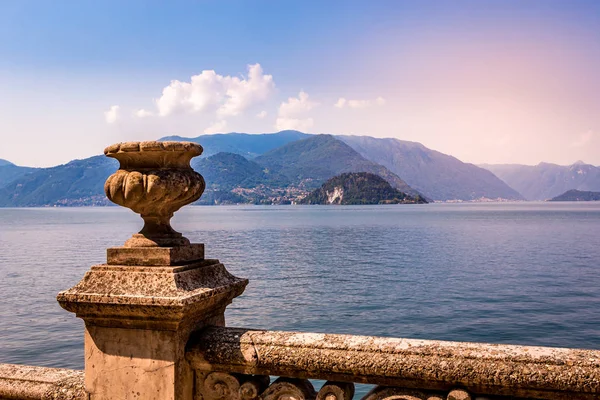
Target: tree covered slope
355 188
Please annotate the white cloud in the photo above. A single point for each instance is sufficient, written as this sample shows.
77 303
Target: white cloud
216 127
111 115
343 102
261 114
209 91
141 113
340 103
293 113
583 139
295 106
359 103
243 93
203 91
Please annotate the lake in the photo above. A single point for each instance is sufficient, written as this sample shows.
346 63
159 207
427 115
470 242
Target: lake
521 273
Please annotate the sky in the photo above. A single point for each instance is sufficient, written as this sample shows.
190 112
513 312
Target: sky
511 81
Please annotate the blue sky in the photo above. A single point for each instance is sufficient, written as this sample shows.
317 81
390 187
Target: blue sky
485 81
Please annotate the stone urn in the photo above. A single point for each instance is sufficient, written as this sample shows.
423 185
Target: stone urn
142 305
155 179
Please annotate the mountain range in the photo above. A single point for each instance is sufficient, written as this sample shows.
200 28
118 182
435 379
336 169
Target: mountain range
435 175
285 166
545 181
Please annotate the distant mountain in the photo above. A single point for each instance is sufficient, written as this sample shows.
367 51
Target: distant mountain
355 188
436 175
248 145
545 181
227 170
310 162
80 182
577 195
10 172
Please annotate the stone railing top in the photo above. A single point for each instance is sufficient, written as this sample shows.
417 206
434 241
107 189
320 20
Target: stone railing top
33 383
484 369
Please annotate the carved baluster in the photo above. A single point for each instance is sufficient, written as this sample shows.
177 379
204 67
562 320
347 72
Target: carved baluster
336 391
290 389
253 386
459 394
393 393
219 386
224 386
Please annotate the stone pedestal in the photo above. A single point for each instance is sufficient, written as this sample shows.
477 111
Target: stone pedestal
142 305
138 320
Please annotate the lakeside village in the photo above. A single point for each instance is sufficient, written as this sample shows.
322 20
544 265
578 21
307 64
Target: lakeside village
260 195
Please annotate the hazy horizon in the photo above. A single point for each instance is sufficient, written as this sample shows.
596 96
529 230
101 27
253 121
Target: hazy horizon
496 82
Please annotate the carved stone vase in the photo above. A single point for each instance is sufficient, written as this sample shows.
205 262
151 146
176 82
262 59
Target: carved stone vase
141 306
155 179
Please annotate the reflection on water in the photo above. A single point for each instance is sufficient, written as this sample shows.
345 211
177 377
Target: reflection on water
523 273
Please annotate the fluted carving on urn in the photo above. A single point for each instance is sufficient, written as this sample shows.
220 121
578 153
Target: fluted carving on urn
155 180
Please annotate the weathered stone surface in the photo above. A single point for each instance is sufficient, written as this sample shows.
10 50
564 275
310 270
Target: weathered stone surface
482 369
148 256
137 323
155 180
39 383
136 364
138 320
166 298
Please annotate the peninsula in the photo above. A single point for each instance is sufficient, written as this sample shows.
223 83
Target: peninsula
577 195
359 188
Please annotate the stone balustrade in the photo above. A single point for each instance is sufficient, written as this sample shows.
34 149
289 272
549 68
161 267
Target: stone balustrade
423 369
25 382
236 363
154 318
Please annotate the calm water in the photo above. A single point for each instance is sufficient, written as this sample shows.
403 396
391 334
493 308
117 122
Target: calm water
524 273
